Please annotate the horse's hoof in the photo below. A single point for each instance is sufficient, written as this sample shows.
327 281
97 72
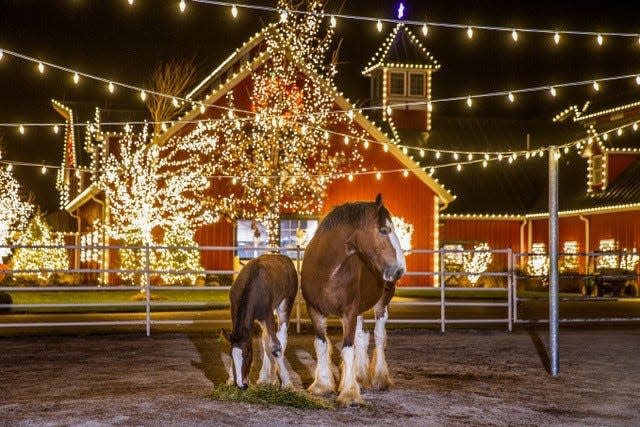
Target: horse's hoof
381 383
320 389
349 398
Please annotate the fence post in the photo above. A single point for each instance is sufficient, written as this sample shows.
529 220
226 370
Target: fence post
147 271
442 286
298 297
510 288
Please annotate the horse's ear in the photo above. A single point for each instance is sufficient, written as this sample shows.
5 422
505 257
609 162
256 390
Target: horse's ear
224 334
379 200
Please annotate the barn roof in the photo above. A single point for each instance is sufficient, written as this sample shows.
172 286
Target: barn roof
248 58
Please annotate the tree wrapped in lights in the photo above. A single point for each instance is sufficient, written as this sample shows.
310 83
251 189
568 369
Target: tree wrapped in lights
477 261
179 258
47 257
148 187
538 262
280 156
14 212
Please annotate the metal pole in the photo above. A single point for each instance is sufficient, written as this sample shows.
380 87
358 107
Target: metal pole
553 260
299 297
148 289
510 289
442 280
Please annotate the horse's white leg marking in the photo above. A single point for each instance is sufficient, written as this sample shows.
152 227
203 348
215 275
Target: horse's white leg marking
266 374
362 357
323 382
350 390
282 369
236 354
379 370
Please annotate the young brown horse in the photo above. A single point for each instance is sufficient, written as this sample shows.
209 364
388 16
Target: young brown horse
265 284
351 265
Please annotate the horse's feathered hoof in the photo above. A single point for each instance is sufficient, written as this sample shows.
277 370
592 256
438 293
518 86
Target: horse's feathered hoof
321 389
381 383
349 398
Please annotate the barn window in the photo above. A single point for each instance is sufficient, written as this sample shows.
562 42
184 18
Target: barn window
293 232
416 84
597 171
397 84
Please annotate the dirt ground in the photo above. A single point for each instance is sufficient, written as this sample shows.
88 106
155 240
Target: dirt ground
457 378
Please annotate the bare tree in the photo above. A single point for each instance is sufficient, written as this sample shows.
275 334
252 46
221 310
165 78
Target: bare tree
170 78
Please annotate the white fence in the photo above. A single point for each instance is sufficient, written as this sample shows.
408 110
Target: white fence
453 300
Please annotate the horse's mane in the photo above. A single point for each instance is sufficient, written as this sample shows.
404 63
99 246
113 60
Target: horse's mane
243 280
353 214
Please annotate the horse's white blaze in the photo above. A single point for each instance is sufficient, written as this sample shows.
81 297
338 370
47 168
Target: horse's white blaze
395 241
236 354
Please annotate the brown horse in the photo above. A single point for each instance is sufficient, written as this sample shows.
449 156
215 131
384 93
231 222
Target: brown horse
351 265
265 284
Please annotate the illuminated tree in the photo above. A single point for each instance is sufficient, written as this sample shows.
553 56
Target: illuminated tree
38 233
14 212
282 154
180 236
148 187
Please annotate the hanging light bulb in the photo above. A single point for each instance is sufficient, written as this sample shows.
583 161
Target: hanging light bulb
499 157
431 170
234 11
635 126
429 106
43 169
350 177
130 2
459 167
182 6
552 90
21 129
175 103
619 131
77 173
111 87
514 35
470 156
511 97
596 86
437 154
366 144
143 95
284 15
1 54
599 39
455 156
486 156
163 127
469 32
202 108
56 129
421 153
556 38
638 79
346 140
378 176
41 67
405 173
425 30
566 150
10 167
484 163
379 25
76 78
469 101
332 21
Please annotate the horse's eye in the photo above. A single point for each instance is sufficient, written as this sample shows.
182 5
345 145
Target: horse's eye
384 230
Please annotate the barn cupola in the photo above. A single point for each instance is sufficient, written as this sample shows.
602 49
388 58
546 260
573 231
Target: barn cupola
400 73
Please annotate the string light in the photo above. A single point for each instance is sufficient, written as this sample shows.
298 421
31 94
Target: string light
234 11
514 35
553 92
111 87
143 95
425 30
284 15
332 21
379 25
556 38
600 39
56 129
511 97
130 2
469 33
596 86
76 78
638 79
41 67
1 54
21 129
43 169
469 101
182 5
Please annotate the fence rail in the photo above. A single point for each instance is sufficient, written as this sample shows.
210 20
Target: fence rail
451 299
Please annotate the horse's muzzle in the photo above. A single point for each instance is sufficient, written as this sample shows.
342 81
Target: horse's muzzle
393 275
398 274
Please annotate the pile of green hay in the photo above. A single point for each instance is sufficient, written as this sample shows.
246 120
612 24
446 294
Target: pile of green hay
266 394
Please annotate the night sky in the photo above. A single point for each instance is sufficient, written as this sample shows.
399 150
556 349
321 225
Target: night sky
125 43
